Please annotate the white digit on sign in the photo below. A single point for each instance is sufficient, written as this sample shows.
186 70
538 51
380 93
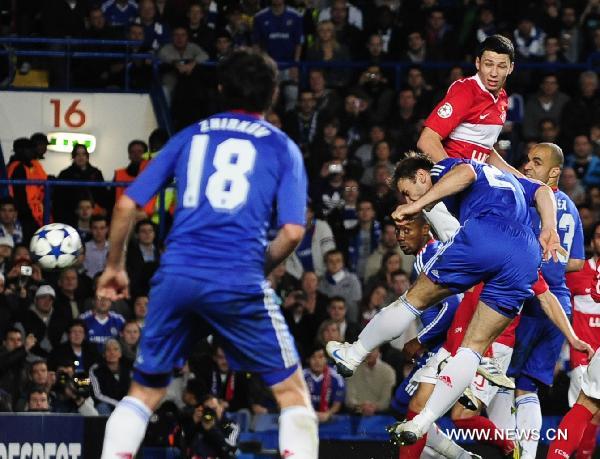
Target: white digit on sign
227 188
74 117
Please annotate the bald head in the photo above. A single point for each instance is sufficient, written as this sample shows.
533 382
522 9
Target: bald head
545 162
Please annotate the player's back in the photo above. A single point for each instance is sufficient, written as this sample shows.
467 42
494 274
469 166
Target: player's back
494 194
230 171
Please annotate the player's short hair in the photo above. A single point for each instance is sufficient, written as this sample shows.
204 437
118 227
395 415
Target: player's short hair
498 44
556 153
408 167
336 299
247 80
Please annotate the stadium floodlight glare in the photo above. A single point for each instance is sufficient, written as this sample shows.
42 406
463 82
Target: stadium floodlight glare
64 141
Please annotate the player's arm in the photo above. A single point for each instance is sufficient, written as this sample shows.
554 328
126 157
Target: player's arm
430 143
456 180
546 207
553 309
498 161
574 264
286 241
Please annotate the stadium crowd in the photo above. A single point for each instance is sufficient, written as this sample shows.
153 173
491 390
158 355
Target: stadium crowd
352 125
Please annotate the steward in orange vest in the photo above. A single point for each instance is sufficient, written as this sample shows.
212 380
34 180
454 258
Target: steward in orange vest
137 163
29 199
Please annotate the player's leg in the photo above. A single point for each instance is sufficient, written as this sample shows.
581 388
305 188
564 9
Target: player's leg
388 324
457 374
165 339
587 445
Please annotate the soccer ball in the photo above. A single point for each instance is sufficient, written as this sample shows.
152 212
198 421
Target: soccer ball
55 246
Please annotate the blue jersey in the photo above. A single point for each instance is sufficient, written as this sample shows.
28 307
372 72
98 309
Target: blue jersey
279 35
117 15
229 171
436 319
99 331
570 232
335 392
493 194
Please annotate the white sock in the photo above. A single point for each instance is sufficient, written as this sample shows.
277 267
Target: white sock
529 419
298 433
438 441
125 428
500 410
451 383
388 324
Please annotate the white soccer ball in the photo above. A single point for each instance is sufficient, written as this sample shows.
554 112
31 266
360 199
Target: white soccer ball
55 246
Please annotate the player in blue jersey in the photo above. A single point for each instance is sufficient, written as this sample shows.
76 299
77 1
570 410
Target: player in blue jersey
494 244
231 170
538 340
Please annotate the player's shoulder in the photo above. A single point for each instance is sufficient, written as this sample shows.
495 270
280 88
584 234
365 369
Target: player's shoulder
571 207
427 252
463 86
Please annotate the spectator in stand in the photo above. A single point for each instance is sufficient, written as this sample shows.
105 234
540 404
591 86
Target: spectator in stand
129 339
101 323
439 36
13 356
37 401
281 281
328 330
382 154
387 244
301 123
570 34
346 33
140 70
369 391
66 396
405 123
40 143
388 28
96 250
69 298
84 212
581 112
363 240
316 302
67 197
384 198
326 387
571 185
143 257
96 73
29 200
110 378
549 103
421 90
20 286
354 14
372 303
198 29
327 190
278 31
355 118
549 131
528 39
179 60
322 147
169 13
60 17
552 50
327 48
77 349
119 13
328 101
156 33
400 284
237 27
317 241
135 153
9 222
364 153
373 82
416 50
594 137
140 309
44 322
375 52
390 263
595 43
486 24
349 218
303 325
336 310
338 281
38 377
6 247
586 165
352 168
223 45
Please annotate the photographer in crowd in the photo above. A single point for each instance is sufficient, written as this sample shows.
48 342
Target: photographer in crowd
208 433
71 393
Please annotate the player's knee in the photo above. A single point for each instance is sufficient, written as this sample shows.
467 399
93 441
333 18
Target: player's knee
416 404
291 391
149 396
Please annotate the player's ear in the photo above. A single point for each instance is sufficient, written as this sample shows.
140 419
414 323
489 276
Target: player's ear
554 172
477 63
511 68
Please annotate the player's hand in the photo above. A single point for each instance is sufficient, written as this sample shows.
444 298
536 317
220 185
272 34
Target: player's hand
412 349
582 346
113 284
405 213
551 245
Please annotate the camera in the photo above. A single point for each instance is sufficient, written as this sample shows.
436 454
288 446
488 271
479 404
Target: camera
208 414
26 271
79 384
335 169
504 144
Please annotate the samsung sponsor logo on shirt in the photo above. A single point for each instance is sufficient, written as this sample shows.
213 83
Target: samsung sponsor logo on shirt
40 450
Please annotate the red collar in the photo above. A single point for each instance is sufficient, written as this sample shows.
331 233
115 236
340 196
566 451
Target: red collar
554 188
245 112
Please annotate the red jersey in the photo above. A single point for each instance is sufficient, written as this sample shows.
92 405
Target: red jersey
469 119
586 312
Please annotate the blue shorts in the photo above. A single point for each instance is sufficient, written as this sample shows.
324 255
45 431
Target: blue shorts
505 256
538 343
182 310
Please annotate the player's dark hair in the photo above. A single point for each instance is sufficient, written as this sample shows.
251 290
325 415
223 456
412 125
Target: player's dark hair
247 81
408 167
497 44
336 298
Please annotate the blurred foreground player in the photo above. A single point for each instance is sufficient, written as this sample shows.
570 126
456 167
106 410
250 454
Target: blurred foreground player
229 170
